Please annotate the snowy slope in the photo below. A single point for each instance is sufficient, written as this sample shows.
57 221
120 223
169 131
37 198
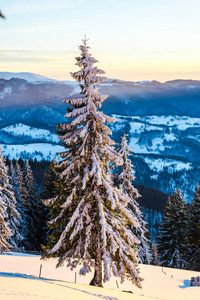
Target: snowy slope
181 122
158 164
19 280
169 146
20 130
29 142
167 150
164 135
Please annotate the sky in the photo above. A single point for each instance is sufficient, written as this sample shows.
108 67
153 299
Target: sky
132 39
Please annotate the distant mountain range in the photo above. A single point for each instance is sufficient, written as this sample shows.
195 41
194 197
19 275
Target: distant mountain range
162 120
178 97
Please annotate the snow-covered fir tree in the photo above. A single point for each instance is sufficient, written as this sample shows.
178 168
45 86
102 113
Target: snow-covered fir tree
154 259
41 228
5 205
125 179
32 204
16 187
21 203
172 235
48 191
192 253
91 222
13 215
5 232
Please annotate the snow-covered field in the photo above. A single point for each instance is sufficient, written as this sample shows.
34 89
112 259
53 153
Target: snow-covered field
156 134
39 151
158 164
148 135
19 278
21 130
181 122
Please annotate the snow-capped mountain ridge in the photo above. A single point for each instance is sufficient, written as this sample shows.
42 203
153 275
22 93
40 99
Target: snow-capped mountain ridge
126 98
31 77
34 78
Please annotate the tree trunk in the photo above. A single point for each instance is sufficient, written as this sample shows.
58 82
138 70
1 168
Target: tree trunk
97 279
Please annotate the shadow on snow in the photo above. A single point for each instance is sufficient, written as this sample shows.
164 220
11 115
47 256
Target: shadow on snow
186 284
55 282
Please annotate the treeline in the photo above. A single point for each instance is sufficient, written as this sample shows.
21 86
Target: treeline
175 230
22 213
39 168
31 181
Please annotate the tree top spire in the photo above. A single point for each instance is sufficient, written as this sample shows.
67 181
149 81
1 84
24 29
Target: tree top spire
85 40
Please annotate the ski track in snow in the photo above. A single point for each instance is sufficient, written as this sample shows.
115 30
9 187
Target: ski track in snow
54 282
96 295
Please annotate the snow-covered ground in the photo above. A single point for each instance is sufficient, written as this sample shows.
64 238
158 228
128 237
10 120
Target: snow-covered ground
19 277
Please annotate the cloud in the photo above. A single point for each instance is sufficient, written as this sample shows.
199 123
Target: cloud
32 56
36 29
24 6
23 59
39 52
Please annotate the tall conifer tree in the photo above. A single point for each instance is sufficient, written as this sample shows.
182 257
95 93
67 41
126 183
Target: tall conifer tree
125 179
32 206
5 232
192 254
5 206
172 236
21 198
16 190
154 259
92 217
48 191
13 216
